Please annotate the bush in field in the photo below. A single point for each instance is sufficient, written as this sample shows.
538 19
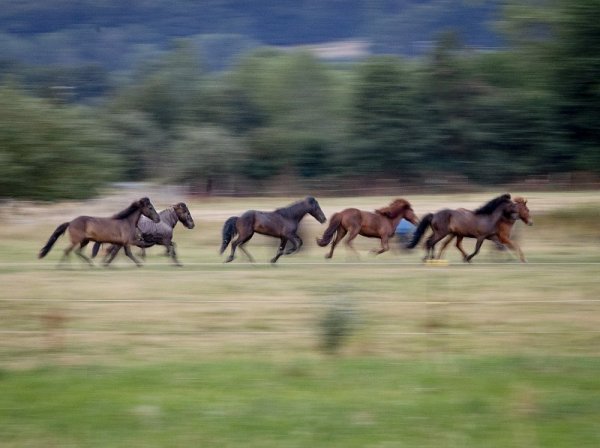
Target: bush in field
337 323
50 151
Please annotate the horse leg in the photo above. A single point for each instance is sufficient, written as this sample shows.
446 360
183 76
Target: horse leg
81 255
444 245
476 251
66 254
430 245
460 248
130 255
241 239
296 244
284 241
114 250
514 247
341 233
171 251
384 245
352 233
250 257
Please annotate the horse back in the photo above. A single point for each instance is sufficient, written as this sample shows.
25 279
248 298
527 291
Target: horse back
105 230
465 222
267 223
369 224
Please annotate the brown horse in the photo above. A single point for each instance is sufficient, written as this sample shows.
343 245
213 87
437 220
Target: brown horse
152 233
281 223
120 229
482 224
502 238
381 224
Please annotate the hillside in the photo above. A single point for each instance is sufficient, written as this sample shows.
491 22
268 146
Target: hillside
117 34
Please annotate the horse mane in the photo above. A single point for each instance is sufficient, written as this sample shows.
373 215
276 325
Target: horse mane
135 205
128 211
290 210
492 205
394 209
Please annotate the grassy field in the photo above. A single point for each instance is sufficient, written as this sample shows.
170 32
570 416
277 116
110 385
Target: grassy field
495 353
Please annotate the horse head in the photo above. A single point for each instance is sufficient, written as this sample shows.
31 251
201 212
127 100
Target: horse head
148 209
523 210
184 215
399 207
315 209
509 210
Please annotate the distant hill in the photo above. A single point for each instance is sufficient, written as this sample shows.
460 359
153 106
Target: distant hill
117 33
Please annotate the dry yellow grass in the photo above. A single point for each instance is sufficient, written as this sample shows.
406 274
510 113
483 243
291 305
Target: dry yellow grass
208 309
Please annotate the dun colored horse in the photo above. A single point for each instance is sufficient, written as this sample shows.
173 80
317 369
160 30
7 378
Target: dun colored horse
483 223
119 230
161 233
281 223
502 238
381 224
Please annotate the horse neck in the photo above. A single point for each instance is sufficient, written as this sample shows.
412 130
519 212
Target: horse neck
169 216
134 217
296 212
395 221
498 215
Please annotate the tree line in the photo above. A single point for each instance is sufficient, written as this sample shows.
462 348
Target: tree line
490 117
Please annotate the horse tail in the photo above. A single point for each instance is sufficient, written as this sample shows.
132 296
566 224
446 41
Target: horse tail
425 222
334 224
57 233
229 231
95 249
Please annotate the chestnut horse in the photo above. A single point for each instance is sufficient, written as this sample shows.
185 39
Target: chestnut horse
502 238
482 224
281 223
381 224
120 229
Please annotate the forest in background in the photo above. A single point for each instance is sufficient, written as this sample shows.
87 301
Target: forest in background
78 110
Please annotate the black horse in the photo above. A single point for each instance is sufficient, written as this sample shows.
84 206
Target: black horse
281 223
481 224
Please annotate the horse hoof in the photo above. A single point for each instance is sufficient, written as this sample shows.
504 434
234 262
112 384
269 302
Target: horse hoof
229 260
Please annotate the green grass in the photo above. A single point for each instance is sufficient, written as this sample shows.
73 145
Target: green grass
461 402
495 353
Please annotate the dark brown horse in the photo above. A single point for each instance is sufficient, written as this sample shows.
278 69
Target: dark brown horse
120 229
151 233
281 223
483 223
381 224
502 238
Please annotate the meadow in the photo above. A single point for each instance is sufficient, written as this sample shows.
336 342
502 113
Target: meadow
368 352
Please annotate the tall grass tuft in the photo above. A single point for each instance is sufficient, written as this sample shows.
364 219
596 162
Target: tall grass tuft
336 325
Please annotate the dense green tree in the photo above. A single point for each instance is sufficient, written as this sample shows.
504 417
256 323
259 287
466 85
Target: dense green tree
169 90
382 118
205 157
51 152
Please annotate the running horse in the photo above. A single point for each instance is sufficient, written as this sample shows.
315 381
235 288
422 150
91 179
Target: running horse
502 238
281 223
151 233
381 224
119 230
482 224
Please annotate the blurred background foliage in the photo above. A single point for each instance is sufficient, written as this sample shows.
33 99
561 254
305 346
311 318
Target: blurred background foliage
216 94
